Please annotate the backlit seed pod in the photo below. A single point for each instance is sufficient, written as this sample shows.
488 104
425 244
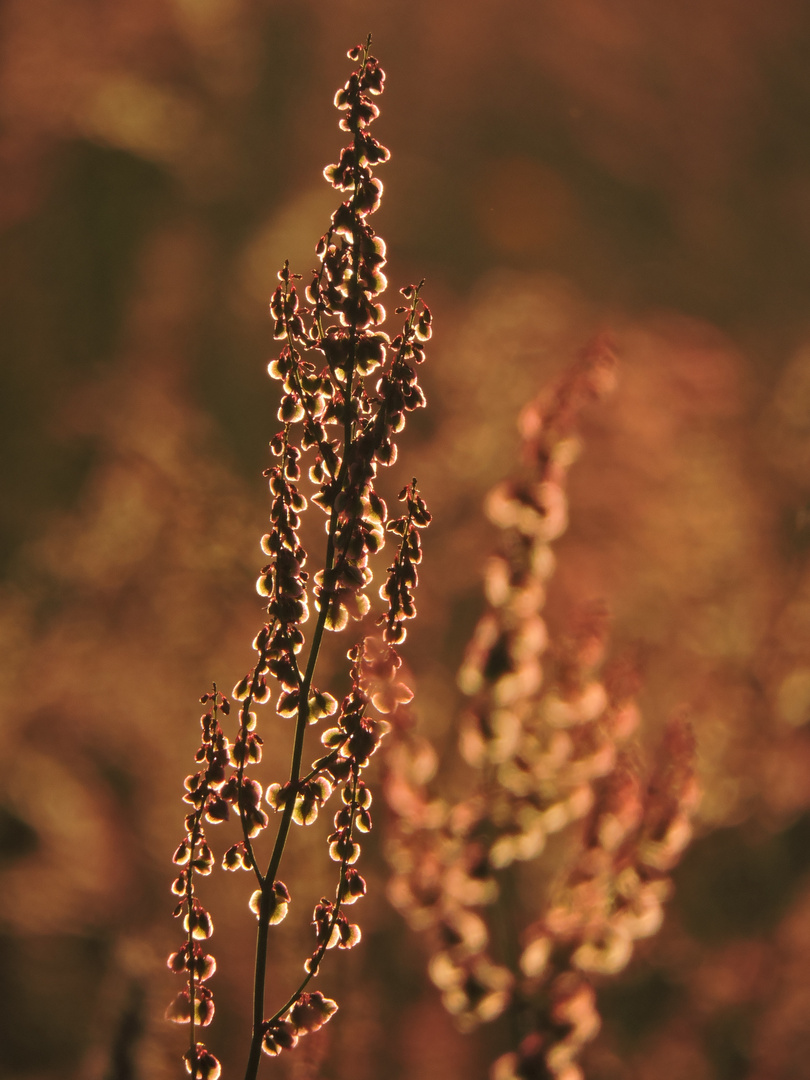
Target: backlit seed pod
279 1036
276 905
312 1011
198 923
352 887
349 934
201 1064
236 857
344 849
182 854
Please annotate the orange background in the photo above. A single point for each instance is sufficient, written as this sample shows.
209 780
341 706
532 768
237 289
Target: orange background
558 167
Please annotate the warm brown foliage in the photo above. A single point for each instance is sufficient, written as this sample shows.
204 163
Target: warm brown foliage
557 167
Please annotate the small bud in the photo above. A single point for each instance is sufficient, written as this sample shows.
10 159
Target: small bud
353 887
279 1036
312 1011
201 1064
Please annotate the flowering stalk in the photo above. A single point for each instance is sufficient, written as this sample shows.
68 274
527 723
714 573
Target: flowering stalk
547 736
346 390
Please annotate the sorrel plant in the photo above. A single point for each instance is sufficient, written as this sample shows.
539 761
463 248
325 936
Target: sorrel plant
548 736
347 387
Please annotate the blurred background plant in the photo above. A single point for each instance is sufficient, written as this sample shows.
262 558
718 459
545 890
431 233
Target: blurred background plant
556 167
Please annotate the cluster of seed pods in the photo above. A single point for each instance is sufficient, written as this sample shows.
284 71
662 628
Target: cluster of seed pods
347 388
547 735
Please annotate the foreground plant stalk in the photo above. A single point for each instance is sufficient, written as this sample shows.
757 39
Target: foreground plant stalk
346 389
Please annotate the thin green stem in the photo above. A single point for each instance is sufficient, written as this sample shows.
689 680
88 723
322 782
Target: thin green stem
190 946
278 848
318 955
302 720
